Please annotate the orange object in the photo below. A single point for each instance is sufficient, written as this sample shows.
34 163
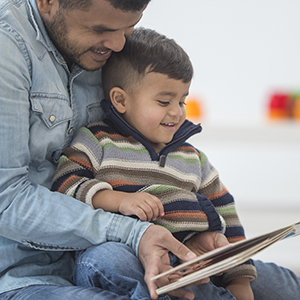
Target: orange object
296 109
194 111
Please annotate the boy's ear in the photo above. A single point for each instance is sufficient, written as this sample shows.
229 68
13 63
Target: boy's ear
118 99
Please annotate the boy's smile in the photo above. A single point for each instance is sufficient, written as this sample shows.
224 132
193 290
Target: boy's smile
155 107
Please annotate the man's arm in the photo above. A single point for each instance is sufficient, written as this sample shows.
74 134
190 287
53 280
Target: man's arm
29 212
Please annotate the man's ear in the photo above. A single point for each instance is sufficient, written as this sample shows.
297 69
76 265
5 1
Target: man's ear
48 7
118 99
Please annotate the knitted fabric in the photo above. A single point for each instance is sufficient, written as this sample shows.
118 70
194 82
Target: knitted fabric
112 155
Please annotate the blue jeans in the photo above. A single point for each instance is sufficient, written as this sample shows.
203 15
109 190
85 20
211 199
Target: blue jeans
111 271
114 267
51 292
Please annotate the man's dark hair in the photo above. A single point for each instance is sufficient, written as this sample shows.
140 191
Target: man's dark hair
145 51
125 5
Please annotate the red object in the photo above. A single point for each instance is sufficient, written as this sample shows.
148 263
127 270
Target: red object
280 106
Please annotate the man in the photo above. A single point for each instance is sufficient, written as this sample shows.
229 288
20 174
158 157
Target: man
51 54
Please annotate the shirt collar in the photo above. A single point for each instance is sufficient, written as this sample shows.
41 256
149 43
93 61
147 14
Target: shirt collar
41 32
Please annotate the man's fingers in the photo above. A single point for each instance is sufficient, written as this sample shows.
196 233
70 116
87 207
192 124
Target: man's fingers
181 293
154 246
180 250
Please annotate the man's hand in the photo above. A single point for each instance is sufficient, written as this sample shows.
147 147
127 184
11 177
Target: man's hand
154 246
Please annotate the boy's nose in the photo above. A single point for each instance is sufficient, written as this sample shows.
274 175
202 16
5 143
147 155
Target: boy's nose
176 110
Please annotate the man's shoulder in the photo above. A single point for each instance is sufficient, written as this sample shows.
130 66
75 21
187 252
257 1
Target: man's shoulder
14 11
19 24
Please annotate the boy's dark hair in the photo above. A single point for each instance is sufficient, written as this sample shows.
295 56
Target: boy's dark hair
125 5
145 51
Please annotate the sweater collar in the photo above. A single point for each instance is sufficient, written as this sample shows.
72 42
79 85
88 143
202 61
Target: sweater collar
115 119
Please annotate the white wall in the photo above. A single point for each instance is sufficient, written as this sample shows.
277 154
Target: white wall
241 50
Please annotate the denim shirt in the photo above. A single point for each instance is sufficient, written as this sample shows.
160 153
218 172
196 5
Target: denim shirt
42 104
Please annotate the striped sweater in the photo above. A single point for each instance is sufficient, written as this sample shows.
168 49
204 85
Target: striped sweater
113 155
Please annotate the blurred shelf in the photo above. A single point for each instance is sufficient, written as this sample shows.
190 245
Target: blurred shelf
260 165
277 132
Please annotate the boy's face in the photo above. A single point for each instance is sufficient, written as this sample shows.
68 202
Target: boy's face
155 107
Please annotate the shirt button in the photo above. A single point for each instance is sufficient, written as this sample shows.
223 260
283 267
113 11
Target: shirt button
52 118
70 130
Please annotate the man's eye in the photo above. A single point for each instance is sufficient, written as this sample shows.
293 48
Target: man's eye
163 103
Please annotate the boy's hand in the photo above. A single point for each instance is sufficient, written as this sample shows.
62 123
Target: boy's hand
143 205
241 289
206 241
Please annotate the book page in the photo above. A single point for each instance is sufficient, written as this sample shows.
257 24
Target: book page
222 259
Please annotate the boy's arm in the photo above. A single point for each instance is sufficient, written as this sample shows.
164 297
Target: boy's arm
213 189
76 176
76 172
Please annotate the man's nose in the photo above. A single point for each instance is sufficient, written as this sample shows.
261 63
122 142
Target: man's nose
117 39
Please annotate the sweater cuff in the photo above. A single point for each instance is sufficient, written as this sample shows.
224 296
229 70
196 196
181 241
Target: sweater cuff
244 270
94 189
214 221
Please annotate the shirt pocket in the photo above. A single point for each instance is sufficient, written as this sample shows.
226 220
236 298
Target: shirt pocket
53 109
49 121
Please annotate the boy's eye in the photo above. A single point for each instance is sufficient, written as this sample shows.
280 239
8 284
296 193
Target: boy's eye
163 103
182 103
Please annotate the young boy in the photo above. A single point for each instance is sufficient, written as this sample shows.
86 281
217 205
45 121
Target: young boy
137 162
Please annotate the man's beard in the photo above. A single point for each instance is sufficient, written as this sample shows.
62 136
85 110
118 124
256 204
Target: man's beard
57 31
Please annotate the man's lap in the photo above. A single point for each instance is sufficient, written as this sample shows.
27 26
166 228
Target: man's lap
120 273
273 282
38 292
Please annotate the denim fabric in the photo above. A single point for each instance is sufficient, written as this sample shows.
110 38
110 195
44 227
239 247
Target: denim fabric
114 267
59 292
42 104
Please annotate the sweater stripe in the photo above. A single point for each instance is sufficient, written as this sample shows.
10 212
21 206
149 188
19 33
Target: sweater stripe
188 186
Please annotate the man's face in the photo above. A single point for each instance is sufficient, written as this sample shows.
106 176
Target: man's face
87 37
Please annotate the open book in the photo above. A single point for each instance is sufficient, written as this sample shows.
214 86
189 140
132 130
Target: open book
225 258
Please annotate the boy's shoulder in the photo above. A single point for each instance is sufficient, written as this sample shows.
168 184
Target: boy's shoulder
100 126
98 130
